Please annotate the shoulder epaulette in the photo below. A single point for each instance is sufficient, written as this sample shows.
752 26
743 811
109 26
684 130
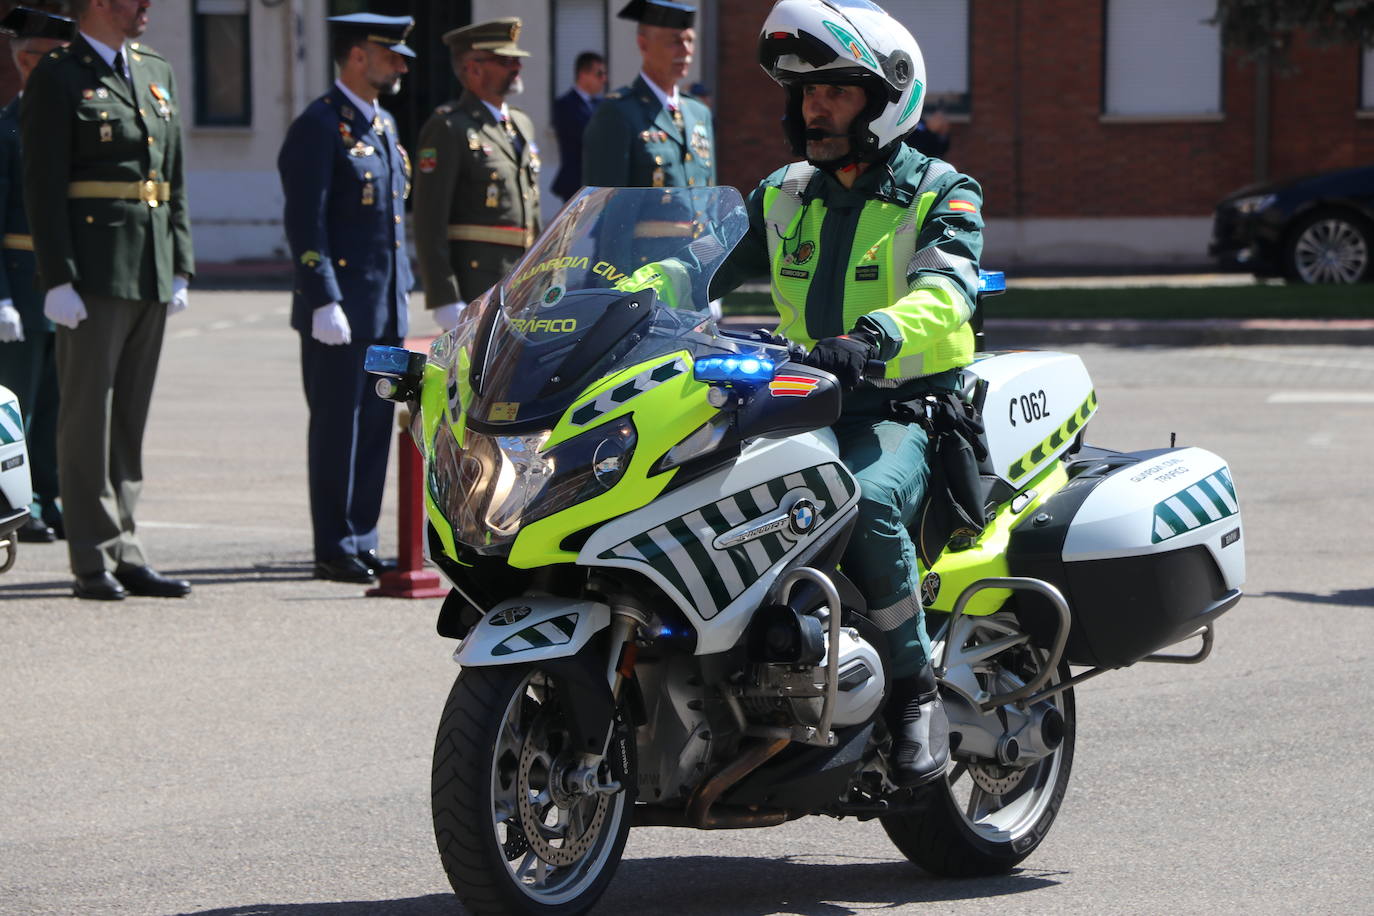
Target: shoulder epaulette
444 109
143 49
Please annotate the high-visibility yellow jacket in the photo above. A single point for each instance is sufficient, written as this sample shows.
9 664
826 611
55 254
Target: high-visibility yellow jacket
895 255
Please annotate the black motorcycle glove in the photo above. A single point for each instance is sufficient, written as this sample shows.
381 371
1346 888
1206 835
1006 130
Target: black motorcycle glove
844 357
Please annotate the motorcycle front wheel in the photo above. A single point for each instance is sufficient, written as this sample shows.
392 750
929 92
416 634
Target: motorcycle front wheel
512 837
984 819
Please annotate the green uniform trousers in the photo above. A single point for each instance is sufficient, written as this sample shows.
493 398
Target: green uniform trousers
106 368
889 459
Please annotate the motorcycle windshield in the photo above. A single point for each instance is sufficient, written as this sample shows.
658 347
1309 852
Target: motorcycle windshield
620 275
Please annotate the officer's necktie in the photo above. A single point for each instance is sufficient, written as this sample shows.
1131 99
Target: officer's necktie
122 73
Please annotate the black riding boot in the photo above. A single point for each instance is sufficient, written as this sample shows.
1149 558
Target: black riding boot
920 731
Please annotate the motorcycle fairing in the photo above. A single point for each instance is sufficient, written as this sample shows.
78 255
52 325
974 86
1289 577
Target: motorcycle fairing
15 485
689 540
530 629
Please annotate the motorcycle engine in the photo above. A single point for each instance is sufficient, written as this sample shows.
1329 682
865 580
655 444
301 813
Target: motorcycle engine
792 694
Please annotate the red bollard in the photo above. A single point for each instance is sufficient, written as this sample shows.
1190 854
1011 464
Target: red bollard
409 579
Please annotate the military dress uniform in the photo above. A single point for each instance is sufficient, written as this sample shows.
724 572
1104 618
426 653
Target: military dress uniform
634 141
476 184
477 199
28 367
105 191
345 179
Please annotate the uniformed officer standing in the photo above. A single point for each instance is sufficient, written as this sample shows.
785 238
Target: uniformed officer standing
105 190
28 362
345 178
648 134
477 190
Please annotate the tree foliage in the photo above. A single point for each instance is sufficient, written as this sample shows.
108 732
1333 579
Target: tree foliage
1257 27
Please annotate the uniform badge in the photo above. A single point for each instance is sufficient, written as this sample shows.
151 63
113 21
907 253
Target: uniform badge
348 112
346 133
658 177
379 125
102 93
405 158
369 194
493 195
534 162
311 258
106 133
802 253
701 141
88 93
474 141
429 159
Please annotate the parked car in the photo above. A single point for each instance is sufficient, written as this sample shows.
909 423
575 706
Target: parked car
1314 229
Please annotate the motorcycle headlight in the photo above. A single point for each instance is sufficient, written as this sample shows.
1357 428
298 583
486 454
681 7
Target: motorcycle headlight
1254 204
497 484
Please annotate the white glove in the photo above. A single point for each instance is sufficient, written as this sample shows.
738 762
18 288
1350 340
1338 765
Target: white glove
62 305
11 326
330 325
180 297
446 316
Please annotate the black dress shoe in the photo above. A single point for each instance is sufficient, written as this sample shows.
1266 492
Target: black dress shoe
59 530
99 586
376 563
344 569
34 531
148 582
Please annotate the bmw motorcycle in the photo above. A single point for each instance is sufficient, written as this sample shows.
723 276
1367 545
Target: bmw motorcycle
643 516
15 491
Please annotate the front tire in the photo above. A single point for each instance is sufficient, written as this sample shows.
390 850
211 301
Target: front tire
983 818
512 839
1330 247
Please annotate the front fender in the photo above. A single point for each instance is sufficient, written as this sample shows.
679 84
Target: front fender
531 629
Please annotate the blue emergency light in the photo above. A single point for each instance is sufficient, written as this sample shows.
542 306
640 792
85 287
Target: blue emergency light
388 362
992 282
732 370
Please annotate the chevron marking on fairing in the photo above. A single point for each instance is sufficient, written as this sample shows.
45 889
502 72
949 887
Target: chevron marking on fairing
613 398
1032 459
11 423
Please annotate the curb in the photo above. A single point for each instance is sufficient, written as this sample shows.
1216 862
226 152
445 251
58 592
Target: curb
1010 333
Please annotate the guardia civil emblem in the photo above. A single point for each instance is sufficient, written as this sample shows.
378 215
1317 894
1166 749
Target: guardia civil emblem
802 253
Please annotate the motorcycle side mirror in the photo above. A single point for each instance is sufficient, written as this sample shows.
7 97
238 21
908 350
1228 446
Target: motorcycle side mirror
798 399
399 370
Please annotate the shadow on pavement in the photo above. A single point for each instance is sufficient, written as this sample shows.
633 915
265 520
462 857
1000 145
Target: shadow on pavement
294 571
431 905
1347 597
724 886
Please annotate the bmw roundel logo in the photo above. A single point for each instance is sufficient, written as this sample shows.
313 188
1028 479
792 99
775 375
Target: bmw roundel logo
802 516
930 588
509 615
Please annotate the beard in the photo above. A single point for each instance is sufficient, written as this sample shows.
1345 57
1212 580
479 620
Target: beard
386 85
827 150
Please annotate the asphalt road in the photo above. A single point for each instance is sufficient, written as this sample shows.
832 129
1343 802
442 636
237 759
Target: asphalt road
263 746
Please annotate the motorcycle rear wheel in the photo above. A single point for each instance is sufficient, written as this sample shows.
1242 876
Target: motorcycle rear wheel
984 819
511 839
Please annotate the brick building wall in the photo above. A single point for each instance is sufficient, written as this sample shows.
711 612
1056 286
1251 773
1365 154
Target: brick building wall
1037 140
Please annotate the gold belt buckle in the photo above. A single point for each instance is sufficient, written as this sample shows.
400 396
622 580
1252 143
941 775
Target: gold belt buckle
148 192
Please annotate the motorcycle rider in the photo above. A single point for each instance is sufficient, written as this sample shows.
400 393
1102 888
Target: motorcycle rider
873 250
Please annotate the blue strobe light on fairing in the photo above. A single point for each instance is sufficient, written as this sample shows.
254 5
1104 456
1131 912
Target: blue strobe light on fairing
732 370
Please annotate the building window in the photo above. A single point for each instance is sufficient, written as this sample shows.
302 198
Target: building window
940 27
1162 58
578 25
222 70
1367 80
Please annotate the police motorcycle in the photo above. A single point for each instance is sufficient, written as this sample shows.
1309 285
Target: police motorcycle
642 518
15 484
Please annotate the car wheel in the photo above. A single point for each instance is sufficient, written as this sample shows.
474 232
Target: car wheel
1330 247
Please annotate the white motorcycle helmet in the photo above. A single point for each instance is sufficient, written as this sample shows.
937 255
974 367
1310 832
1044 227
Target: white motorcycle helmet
851 42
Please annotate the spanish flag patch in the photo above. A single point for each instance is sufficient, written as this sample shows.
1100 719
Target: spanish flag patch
964 205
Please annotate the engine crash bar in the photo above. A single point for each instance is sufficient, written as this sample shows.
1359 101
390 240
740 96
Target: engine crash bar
1061 636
